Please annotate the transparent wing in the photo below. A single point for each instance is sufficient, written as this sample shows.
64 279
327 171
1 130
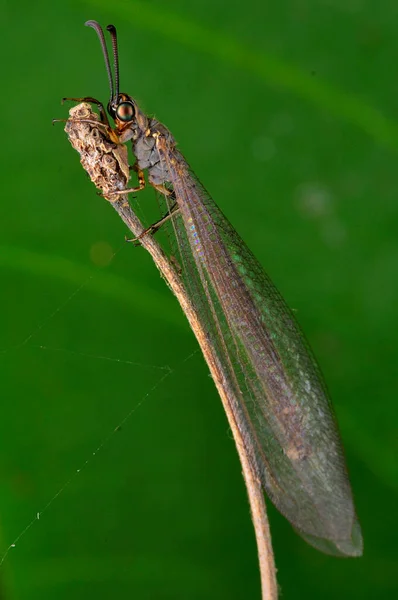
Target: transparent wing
280 401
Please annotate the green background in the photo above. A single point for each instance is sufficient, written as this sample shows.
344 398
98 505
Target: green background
288 113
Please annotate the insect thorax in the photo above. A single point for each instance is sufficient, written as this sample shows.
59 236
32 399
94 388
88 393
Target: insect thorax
147 153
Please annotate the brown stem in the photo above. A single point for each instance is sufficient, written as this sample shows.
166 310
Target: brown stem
108 168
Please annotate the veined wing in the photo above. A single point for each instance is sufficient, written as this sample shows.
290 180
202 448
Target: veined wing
281 404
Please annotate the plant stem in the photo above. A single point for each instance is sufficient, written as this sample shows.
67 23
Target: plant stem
107 166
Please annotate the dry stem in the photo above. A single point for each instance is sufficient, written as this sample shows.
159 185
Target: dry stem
107 166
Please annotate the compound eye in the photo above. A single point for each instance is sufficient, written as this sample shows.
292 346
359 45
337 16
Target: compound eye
125 111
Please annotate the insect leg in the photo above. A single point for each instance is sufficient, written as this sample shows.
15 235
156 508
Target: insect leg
156 226
141 182
110 133
99 105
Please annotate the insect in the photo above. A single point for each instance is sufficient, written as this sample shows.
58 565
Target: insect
280 403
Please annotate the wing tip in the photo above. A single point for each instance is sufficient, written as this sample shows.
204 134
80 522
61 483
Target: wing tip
352 546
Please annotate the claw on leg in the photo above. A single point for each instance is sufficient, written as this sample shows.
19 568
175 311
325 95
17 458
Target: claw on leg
139 187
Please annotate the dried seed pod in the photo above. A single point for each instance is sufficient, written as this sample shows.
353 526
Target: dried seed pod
105 162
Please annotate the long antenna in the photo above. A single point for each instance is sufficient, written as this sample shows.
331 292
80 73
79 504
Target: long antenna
112 31
101 36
